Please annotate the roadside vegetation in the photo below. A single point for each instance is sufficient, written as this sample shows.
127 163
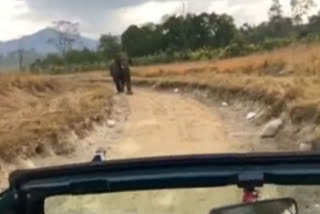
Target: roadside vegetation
286 79
35 108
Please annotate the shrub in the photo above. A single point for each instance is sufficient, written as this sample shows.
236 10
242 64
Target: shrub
270 44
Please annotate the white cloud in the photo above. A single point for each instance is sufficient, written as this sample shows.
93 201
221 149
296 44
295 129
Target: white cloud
117 20
149 12
243 11
20 17
13 27
251 11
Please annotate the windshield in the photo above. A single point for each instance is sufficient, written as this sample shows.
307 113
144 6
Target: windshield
99 81
164 201
182 201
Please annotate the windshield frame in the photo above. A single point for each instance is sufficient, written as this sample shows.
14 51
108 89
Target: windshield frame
244 170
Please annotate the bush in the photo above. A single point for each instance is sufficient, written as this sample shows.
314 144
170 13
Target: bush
311 38
205 54
235 49
270 44
161 57
176 56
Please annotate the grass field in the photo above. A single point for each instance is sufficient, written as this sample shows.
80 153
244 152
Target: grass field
35 107
287 79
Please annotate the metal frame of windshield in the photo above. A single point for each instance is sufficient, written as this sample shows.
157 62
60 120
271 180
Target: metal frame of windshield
32 187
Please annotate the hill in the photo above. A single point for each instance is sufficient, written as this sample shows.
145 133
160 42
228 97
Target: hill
36 46
38 42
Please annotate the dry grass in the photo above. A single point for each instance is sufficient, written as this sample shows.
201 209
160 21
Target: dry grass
296 59
288 78
35 107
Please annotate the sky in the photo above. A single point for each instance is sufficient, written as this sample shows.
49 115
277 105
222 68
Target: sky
96 17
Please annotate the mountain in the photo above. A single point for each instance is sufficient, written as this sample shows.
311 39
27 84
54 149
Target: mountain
38 42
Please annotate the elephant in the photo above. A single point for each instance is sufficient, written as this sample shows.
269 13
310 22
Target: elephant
120 72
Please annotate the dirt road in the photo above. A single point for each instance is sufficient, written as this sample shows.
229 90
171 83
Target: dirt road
153 124
167 124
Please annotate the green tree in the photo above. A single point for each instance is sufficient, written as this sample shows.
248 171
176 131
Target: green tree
144 40
301 8
314 24
80 57
53 59
109 46
223 30
132 41
173 29
196 31
275 10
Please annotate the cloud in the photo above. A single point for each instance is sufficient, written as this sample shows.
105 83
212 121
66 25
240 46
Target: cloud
100 16
114 16
118 19
243 11
147 13
10 26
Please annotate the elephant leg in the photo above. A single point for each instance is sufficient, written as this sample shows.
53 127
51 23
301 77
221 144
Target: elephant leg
123 82
117 84
128 82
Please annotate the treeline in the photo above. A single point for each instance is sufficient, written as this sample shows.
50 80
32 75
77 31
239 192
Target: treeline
80 60
196 37
205 36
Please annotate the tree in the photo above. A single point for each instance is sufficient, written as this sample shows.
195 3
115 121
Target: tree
278 25
53 59
67 35
20 54
80 57
132 41
223 30
173 36
275 10
109 46
36 66
314 24
144 40
197 31
179 34
300 8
